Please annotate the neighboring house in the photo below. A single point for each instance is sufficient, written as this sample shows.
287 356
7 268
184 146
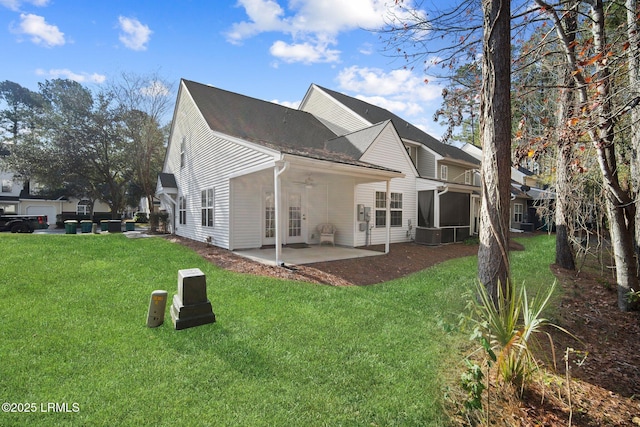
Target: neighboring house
16 198
526 195
244 173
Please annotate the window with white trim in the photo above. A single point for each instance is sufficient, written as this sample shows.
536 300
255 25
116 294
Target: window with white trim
444 172
83 207
182 210
207 207
518 212
395 209
467 177
7 186
183 150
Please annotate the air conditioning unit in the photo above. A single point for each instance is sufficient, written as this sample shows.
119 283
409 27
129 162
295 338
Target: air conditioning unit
428 236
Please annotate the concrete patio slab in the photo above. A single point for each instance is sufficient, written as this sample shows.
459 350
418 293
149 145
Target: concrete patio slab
307 255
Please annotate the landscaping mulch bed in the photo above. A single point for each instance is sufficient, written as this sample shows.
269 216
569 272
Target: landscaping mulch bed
604 388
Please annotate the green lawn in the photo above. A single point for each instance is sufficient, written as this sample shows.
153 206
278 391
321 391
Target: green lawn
72 330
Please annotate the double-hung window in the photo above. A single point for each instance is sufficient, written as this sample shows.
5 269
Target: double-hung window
444 172
183 151
182 210
395 208
83 208
207 207
518 212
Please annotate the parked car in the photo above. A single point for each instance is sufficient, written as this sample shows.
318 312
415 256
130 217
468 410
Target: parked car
23 223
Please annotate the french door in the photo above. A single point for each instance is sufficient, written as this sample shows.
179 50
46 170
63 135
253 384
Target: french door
293 225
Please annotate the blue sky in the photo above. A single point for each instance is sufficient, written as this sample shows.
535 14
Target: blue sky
267 49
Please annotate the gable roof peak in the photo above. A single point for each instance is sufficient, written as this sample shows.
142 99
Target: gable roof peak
407 131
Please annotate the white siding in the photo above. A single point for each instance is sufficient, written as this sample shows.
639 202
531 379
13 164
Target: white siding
426 163
456 173
333 114
388 151
14 184
209 162
317 210
342 210
248 209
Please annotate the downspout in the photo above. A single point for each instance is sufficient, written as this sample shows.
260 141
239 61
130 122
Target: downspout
436 211
388 215
278 169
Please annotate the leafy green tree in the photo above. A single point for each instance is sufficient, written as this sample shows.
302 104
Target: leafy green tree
21 104
79 147
144 101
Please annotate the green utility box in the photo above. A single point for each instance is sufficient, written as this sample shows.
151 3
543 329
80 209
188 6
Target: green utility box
70 226
85 225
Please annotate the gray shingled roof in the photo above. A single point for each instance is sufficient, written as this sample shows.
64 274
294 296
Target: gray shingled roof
271 125
356 143
258 121
167 180
374 114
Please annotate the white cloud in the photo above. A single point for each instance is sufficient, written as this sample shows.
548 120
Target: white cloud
313 25
289 104
265 15
65 73
328 17
399 91
395 83
15 4
366 49
134 35
306 53
40 31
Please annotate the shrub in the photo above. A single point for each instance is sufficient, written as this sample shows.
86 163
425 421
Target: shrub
141 217
505 330
159 220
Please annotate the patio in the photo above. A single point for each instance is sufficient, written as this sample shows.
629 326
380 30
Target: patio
306 254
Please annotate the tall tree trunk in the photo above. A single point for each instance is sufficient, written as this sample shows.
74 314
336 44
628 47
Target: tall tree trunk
633 54
598 113
620 207
565 257
495 131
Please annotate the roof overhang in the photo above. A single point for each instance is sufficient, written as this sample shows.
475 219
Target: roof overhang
457 162
369 172
166 185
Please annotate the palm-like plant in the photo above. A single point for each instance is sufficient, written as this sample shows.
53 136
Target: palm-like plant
507 326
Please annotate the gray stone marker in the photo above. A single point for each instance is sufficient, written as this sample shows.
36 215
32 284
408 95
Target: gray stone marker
190 305
157 306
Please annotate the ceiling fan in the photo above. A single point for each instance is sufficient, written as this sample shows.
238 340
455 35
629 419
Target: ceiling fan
308 182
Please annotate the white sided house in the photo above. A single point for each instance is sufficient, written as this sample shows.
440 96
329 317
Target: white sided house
243 173
447 182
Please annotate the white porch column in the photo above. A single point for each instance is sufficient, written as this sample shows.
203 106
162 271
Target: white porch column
279 168
436 205
388 215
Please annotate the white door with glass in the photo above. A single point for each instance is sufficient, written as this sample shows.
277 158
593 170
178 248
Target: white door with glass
294 224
